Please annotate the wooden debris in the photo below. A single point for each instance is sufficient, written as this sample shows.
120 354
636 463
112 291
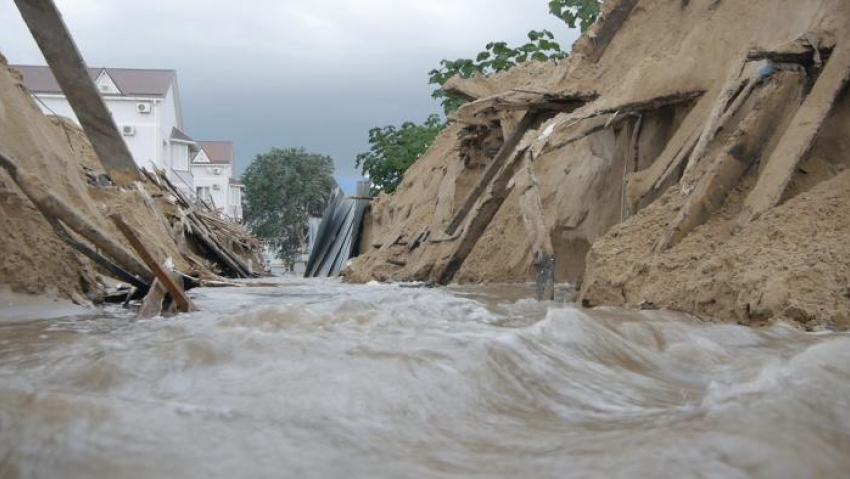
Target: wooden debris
496 164
742 150
798 138
184 304
642 184
52 207
480 219
538 234
630 165
200 222
609 26
485 109
56 44
113 269
734 85
397 262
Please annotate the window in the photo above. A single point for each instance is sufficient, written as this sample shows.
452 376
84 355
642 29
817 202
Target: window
180 157
203 193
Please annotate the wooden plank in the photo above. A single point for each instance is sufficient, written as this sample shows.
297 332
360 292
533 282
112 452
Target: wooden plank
52 206
734 84
742 150
797 140
505 152
207 238
647 181
179 297
609 26
480 219
113 269
53 38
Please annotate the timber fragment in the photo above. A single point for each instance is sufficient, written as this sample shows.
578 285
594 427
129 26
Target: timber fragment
179 297
52 206
495 166
742 150
797 140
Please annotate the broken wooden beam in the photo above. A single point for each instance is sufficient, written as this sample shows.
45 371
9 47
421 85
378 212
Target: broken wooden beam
480 219
505 152
108 266
796 52
797 140
184 304
733 86
57 45
52 206
608 27
642 184
520 101
776 101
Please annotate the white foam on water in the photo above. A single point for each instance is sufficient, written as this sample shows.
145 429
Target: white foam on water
316 378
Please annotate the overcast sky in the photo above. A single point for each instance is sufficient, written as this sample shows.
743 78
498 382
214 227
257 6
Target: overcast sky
311 73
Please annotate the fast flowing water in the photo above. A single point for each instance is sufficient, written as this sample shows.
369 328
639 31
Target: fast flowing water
321 379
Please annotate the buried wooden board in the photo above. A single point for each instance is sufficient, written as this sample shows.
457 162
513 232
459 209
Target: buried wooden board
797 140
55 209
775 101
480 218
506 152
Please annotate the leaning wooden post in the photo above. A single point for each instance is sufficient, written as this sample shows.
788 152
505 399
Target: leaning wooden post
179 297
743 148
67 64
799 136
53 207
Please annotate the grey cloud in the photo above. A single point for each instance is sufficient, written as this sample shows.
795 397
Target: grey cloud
312 73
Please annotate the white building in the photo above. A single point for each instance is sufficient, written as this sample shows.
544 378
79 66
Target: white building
212 170
146 107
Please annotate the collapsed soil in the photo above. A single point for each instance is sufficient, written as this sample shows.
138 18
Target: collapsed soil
33 259
790 264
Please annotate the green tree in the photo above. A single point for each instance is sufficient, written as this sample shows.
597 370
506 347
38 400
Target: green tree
394 149
282 189
583 12
496 57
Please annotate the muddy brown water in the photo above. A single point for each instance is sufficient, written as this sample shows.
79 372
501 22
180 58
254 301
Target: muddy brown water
321 379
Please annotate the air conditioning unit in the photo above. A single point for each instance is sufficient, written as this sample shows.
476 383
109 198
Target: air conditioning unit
143 107
128 130
216 171
216 187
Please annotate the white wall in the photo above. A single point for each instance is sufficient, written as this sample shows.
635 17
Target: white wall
151 142
144 145
204 176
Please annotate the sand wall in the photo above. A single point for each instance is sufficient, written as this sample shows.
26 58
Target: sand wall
608 173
